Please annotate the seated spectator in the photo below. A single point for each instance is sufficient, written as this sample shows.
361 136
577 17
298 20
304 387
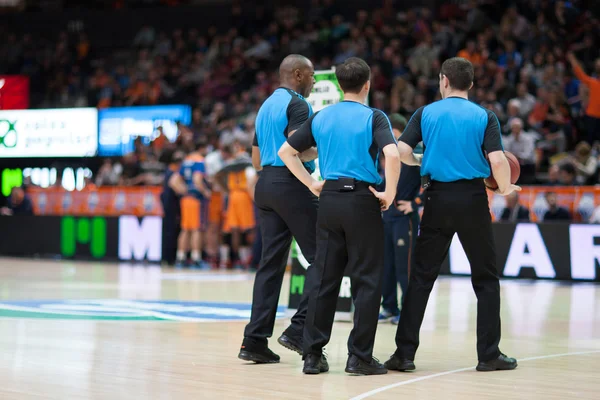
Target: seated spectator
470 53
514 211
585 164
522 145
18 203
567 175
555 213
553 175
526 99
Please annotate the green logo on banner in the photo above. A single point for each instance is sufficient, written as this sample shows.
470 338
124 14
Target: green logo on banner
8 134
11 178
91 232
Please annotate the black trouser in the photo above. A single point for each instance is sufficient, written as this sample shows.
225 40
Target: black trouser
349 238
170 233
286 208
457 207
399 245
257 244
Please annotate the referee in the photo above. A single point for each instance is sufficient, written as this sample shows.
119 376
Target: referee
286 208
455 134
349 137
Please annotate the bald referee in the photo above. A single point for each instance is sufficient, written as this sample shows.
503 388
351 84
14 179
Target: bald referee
455 133
286 208
349 137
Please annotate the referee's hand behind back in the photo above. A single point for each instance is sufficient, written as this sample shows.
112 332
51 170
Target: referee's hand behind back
509 189
384 200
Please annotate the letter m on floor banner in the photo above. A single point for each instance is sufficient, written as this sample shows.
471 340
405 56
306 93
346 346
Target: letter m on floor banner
344 308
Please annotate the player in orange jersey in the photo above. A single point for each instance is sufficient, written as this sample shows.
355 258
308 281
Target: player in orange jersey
193 171
214 162
238 178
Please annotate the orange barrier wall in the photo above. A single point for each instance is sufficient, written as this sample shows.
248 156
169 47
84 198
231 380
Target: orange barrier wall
105 201
113 201
579 200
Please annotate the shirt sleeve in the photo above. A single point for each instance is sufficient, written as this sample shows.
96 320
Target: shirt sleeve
255 140
303 138
412 134
298 113
382 130
199 167
492 138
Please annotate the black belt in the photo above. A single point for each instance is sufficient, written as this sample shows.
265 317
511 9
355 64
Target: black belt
454 185
346 185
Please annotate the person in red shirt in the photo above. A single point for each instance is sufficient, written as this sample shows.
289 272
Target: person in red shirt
592 111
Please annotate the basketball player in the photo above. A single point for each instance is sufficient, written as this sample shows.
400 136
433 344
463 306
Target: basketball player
193 171
455 133
238 178
286 208
173 188
214 162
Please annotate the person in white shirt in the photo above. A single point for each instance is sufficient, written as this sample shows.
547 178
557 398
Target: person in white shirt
522 145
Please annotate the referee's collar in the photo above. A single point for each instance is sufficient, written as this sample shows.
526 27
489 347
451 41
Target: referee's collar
456 97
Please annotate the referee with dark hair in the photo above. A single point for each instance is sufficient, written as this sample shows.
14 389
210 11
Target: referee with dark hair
286 208
349 137
455 133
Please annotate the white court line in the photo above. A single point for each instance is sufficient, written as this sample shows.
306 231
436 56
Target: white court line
423 378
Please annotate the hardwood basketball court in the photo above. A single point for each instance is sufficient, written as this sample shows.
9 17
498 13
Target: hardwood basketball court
71 330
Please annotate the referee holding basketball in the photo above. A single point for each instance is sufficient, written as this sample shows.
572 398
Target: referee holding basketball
455 134
286 208
349 137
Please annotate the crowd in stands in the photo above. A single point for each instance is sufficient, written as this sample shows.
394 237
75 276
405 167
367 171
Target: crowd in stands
521 53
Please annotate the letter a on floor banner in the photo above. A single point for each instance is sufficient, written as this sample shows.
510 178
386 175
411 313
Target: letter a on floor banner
344 308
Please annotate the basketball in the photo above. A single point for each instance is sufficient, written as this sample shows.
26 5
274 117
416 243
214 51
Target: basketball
515 172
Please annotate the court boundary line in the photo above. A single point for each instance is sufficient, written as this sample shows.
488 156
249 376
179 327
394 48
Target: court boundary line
454 371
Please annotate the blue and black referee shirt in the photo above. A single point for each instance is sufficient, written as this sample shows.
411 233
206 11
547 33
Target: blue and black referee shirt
455 133
349 137
283 112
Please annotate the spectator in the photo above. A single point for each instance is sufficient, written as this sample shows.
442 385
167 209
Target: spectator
522 145
471 53
18 203
592 111
567 175
553 175
514 211
526 100
585 163
108 174
555 213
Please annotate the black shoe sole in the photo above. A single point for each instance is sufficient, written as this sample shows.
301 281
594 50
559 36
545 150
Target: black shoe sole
488 368
404 368
289 345
360 371
255 357
315 371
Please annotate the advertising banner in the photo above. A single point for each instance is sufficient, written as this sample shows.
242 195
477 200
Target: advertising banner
119 127
127 238
104 201
558 251
65 132
581 201
14 92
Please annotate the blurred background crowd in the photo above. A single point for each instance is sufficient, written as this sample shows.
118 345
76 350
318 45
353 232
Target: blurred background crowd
548 114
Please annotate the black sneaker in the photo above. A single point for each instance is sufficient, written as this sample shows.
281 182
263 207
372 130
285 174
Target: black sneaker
502 363
356 366
291 341
258 353
314 364
399 364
